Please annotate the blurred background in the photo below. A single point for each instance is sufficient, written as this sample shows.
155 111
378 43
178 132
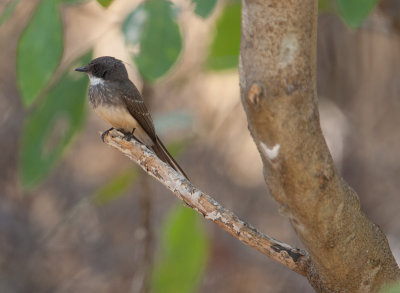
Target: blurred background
78 216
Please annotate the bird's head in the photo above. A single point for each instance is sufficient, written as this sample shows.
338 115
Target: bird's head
104 69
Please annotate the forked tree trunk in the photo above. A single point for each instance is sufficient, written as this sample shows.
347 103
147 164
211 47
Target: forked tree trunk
349 253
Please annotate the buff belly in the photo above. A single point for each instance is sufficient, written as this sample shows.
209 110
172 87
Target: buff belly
120 118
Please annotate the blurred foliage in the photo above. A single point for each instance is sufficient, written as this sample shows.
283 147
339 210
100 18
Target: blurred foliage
172 120
391 289
116 187
183 253
354 12
177 147
8 11
224 50
225 46
325 5
105 3
73 1
204 7
39 50
153 27
50 127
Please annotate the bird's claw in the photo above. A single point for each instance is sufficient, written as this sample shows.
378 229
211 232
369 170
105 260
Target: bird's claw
128 135
105 133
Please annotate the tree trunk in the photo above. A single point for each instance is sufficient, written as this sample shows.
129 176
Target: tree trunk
277 64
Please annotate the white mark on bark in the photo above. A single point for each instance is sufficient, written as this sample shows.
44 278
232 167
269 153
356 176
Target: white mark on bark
288 50
224 220
236 228
196 196
271 153
213 216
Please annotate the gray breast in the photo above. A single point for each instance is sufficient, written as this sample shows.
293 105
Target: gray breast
102 94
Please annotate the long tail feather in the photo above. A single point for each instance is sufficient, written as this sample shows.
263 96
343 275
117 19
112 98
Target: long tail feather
162 152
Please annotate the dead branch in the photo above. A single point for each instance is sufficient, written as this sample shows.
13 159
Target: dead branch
296 259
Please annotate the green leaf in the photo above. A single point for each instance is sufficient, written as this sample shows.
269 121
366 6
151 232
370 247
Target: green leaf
184 250
39 50
325 6
175 148
51 126
224 52
204 7
8 11
105 3
152 26
354 12
393 288
115 187
73 1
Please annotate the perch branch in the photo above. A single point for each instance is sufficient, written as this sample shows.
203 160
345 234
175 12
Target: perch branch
296 259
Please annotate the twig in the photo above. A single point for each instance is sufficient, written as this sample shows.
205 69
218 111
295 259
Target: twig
296 259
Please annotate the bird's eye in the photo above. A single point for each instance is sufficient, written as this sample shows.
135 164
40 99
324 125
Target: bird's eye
99 70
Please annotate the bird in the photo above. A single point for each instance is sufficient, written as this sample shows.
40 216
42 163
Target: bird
115 98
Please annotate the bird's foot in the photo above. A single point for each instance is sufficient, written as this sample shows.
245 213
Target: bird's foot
127 135
105 133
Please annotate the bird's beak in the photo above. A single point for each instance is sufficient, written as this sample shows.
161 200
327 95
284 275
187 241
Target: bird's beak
82 69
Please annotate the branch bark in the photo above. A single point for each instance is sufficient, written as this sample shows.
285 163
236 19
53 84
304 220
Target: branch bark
296 259
349 253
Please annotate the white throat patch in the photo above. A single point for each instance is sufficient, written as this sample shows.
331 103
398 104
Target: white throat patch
95 80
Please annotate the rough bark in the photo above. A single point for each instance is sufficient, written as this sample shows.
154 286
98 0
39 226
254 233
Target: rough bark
295 259
349 253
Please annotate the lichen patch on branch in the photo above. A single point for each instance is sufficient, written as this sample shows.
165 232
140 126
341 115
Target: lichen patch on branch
237 227
214 215
196 195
